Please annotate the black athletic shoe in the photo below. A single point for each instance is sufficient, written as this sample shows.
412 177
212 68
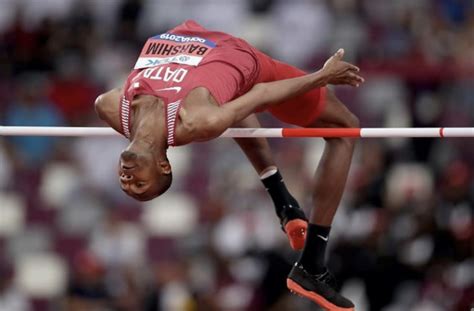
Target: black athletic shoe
294 223
318 288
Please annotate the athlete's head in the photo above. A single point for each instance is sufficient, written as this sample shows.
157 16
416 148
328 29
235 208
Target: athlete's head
143 177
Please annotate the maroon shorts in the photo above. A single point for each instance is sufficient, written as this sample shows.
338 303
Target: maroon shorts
301 110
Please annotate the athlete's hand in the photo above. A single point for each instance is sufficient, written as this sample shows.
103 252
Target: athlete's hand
338 71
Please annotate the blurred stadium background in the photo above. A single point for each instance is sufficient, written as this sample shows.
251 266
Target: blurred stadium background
71 240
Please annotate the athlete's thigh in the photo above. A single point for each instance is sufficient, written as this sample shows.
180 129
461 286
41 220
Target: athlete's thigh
301 110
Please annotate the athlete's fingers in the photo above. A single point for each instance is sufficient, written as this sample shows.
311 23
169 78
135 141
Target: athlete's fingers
352 79
350 67
339 54
355 77
344 81
354 68
353 83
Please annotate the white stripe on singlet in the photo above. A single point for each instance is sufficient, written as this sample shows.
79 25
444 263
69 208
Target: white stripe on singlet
125 116
171 116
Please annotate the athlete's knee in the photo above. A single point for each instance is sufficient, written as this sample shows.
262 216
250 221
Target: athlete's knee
341 117
351 120
345 118
336 114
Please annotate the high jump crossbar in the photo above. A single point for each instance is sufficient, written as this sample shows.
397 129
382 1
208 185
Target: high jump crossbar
256 132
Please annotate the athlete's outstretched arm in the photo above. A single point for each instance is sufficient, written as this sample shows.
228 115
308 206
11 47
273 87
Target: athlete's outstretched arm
215 120
334 71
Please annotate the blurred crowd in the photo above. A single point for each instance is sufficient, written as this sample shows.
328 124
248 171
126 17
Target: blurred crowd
403 238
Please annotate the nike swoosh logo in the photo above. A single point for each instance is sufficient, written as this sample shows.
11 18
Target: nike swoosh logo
177 89
323 238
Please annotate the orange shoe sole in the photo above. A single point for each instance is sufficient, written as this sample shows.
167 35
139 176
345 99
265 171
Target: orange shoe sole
296 231
319 300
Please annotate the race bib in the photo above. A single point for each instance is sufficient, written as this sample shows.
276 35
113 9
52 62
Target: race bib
170 48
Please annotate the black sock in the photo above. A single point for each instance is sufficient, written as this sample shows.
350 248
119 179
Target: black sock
281 198
312 258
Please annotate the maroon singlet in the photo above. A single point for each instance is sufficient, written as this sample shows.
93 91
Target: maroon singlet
189 56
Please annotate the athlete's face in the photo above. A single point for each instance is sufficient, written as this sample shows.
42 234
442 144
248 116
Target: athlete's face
140 177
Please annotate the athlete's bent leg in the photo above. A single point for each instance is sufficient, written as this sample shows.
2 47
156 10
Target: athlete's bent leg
292 219
331 174
309 277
